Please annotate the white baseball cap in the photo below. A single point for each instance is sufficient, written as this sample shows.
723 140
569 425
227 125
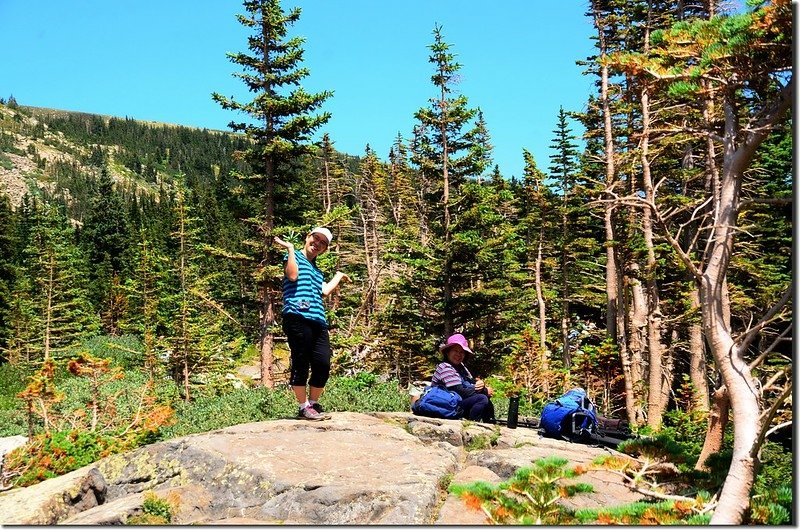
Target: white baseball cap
324 231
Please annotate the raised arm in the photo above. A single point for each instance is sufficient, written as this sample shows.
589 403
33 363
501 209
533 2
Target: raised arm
327 288
290 269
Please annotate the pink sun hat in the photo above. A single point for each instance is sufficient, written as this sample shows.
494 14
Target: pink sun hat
452 340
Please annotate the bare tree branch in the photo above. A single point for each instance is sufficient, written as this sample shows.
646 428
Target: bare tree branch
745 339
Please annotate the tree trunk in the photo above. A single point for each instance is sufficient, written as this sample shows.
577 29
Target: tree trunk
326 196
50 294
658 383
729 355
615 318
637 330
448 265
632 335
267 340
717 421
697 361
265 292
565 350
544 358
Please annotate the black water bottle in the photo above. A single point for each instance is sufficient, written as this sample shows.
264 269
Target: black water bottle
513 412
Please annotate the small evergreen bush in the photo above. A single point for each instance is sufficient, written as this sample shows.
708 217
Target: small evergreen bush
209 413
53 454
645 513
529 497
12 412
155 511
364 393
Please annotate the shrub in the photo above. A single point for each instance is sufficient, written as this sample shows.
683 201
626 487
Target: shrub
687 430
245 405
529 497
155 511
12 415
126 351
772 502
52 454
646 513
364 393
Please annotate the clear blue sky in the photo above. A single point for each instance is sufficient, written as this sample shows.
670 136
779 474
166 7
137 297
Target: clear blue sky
160 61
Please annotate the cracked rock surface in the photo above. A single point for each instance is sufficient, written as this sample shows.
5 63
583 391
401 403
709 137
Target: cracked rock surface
380 468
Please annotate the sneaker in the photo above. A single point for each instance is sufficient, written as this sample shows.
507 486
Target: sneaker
308 413
318 408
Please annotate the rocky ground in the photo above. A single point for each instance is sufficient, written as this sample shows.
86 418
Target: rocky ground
381 468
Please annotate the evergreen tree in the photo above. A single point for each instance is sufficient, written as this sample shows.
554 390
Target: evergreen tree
8 272
397 193
55 288
147 287
447 149
539 228
729 71
282 123
197 346
104 239
564 168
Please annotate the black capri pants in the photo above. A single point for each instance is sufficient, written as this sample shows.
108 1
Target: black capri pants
311 350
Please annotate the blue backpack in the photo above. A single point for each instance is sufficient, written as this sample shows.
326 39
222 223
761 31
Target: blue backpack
571 416
438 402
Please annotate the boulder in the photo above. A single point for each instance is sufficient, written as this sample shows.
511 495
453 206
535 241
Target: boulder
353 469
54 500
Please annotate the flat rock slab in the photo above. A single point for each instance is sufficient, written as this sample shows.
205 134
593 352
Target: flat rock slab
354 469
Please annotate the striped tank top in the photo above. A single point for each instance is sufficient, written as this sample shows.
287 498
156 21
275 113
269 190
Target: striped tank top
304 296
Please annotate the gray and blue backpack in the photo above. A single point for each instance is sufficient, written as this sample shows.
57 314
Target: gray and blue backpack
571 417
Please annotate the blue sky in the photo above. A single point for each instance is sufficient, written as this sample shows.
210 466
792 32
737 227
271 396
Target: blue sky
160 61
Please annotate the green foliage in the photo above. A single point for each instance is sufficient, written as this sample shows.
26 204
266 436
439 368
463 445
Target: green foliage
12 382
208 413
660 447
124 351
361 393
483 441
155 511
5 163
364 392
52 454
685 429
683 88
88 413
772 498
155 506
645 513
530 497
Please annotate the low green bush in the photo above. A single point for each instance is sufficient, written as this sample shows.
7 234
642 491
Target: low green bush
244 405
645 513
54 454
365 393
772 499
13 379
126 351
529 497
155 511
362 393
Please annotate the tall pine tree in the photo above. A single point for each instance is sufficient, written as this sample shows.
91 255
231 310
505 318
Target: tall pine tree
280 127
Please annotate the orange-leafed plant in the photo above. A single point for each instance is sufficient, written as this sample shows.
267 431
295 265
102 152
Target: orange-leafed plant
41 395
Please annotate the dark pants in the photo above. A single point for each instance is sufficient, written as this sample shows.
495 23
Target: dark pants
477 407
311 350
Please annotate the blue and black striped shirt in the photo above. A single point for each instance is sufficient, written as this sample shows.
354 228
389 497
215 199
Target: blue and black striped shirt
304 296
